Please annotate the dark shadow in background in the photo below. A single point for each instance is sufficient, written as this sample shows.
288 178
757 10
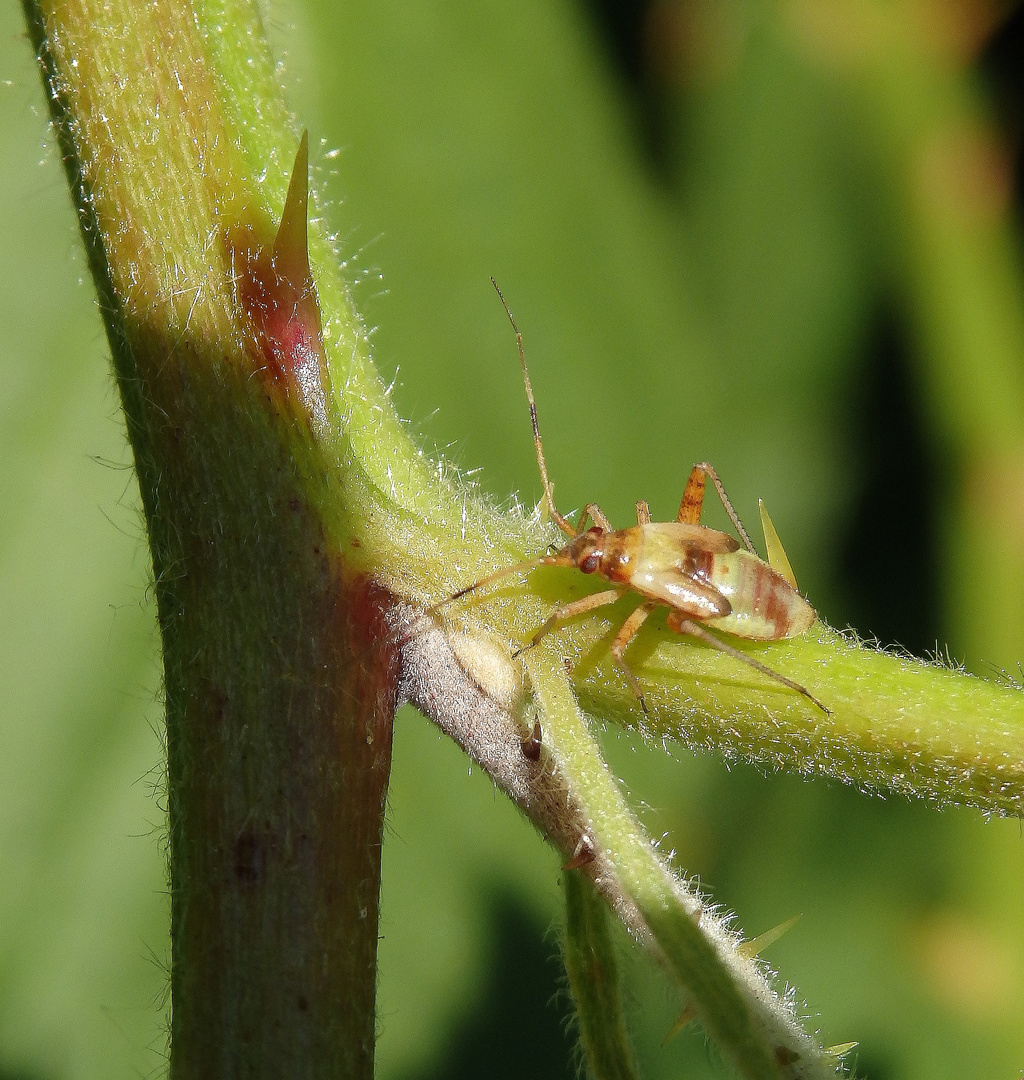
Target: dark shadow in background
517 1028
629 32
1002 69
887 573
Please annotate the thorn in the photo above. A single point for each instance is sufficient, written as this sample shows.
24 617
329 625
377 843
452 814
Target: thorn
531 743
291 254
776 553
839 1049
583 853
684 1018
749 949
276 289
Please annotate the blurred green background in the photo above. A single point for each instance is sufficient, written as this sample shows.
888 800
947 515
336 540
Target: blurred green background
779 236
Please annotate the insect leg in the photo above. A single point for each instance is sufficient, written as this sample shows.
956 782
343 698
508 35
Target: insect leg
627 631
733 516
692 501
592 510
549 495
643 513
529 564
567 611
678 622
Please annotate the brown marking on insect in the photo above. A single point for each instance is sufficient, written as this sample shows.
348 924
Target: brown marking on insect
583 854
275 288
698 563
531 743
702 575
618 555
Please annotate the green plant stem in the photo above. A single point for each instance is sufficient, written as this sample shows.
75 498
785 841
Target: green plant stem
896 723
754 1028
592 967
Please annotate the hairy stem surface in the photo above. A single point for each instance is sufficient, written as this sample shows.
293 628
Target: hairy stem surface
280 683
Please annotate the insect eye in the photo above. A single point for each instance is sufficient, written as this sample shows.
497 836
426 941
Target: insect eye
590 563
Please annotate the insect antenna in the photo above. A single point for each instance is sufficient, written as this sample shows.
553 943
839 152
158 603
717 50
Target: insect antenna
733 516
548 493
529 564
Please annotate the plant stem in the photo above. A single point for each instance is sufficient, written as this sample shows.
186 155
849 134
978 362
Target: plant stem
895 724
755 1029
280 682
594 978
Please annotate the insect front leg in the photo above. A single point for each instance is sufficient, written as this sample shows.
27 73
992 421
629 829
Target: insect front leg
678 621
627 631
568 611
593 511
643 513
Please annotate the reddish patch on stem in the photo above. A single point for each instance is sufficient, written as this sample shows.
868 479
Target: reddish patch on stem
275 288
362 623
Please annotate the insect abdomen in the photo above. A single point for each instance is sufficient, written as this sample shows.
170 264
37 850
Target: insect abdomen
765 607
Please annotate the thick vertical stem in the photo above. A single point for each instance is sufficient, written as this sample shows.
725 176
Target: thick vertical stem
277 777
279 678
280 695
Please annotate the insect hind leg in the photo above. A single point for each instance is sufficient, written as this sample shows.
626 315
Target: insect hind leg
693 501
678 622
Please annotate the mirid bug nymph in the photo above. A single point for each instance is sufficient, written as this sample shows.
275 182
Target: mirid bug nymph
701 575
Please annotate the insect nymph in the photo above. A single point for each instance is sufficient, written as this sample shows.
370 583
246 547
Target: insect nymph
703 576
